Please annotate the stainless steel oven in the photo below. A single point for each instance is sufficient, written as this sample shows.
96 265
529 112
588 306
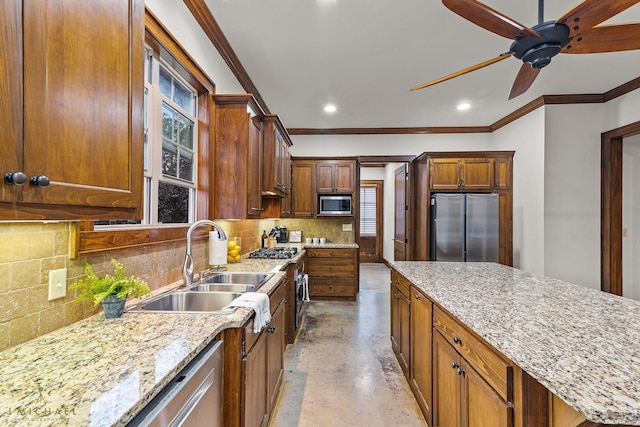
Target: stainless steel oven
298 274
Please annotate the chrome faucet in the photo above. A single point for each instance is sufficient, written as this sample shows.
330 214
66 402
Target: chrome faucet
187 269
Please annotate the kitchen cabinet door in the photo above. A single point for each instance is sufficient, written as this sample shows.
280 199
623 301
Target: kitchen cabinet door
335 177
400 312
304 195
447 396
237 173
82 112
254 169
476 174
444 174
255 384
276 176
421 350
484 408
275 358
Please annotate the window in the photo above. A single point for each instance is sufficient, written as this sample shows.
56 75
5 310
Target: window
368 211
170 145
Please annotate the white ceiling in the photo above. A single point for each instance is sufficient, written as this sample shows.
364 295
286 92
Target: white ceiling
365 55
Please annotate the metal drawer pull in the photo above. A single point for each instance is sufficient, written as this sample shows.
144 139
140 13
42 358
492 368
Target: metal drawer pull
457 340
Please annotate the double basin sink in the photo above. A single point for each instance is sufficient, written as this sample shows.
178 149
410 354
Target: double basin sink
210 295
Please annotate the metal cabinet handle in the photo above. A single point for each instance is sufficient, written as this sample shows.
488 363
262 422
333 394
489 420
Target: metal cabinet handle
454 365
15 178
418 297
457 340
272 329
39 181
257 209
461 371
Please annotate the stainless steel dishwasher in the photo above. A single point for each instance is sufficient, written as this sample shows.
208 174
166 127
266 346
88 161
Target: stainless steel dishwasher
192 398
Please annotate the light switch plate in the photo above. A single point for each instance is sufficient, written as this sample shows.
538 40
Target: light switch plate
347 227
57 283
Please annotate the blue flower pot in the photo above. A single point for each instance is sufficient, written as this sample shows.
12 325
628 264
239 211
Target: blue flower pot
113 306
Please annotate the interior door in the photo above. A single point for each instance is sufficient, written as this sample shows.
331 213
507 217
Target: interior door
400 240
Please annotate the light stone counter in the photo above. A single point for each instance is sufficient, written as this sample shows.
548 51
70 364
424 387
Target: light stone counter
101 372
581 344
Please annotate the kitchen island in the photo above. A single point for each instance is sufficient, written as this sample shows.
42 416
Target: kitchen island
581 344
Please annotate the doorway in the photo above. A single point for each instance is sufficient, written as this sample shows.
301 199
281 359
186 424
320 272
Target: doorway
371 220
611 229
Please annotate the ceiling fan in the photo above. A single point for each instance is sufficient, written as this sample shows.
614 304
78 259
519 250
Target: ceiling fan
574 32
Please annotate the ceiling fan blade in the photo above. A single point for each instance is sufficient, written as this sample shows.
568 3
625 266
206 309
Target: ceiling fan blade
489 19
606 38
590 13
466 70
524 80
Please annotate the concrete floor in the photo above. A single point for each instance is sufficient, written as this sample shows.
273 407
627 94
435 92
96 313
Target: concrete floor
341 371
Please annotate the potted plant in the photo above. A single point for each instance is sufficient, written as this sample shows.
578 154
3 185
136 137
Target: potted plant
111 291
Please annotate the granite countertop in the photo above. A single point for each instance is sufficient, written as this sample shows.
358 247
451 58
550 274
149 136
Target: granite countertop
102 372
581 344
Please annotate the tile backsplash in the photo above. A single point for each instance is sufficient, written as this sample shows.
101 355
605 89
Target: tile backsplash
32 249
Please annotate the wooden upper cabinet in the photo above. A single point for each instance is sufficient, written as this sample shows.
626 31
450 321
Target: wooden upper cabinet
276 169
303 184
476 174
72 108
237 173
502 173
335 177
461 174
444 174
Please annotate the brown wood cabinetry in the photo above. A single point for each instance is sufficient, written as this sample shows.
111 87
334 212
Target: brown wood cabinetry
313 177
480 172
421 350
276 167
335 177
400 317
290 307
333 273
460 174
71 115
254 365
237 171
304 197
461 396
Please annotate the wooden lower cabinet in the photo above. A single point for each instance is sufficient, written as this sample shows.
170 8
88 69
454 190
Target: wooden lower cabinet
333 273
461 396
400 318
253 368
420 379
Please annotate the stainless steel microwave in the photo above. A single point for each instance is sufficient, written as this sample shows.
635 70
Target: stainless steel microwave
334 205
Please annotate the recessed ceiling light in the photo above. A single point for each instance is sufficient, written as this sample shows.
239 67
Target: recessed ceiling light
330 108
464 106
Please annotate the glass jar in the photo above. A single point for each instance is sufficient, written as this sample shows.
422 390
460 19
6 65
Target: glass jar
233 250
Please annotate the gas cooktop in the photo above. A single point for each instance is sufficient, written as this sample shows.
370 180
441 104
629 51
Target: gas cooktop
279 252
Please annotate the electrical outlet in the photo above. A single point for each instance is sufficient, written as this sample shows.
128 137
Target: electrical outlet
347 227
57 283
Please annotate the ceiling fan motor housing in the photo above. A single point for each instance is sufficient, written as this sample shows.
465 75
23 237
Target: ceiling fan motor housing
538 51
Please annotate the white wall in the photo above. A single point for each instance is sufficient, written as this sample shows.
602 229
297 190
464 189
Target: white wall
526 137
389 210
572 193
372 174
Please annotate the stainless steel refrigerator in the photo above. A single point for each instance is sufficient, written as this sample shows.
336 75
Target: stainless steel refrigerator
464 227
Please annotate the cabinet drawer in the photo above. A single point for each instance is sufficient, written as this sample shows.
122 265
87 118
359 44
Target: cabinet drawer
332 267
331 253
331 287
401 283
485 360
